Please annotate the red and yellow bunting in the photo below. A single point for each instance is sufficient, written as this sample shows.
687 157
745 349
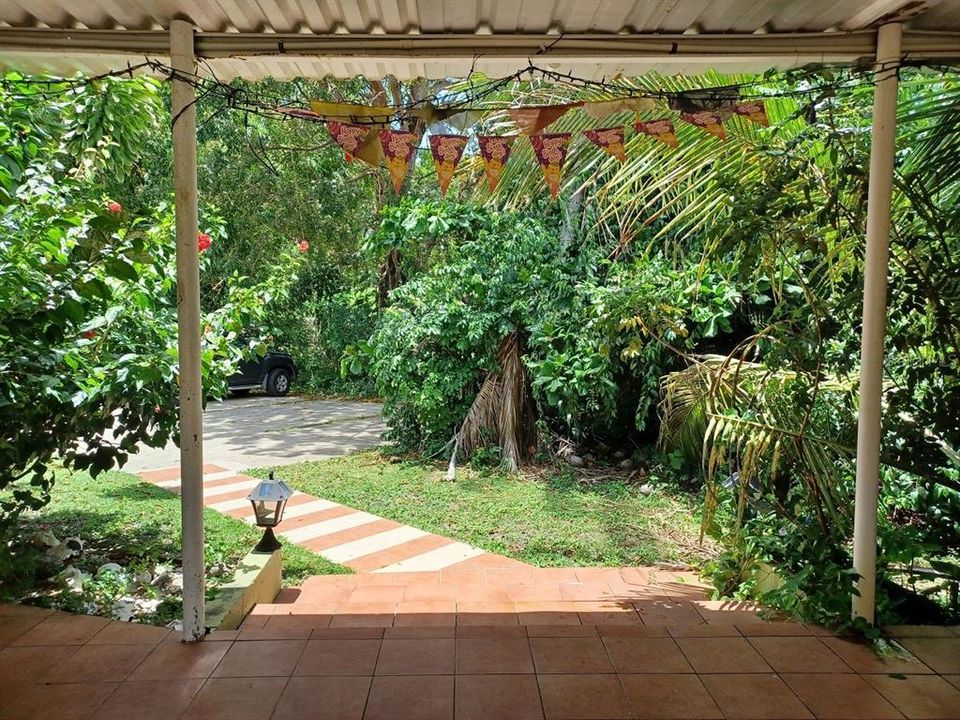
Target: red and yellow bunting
610 140
755 111
398 150
348 136
447 151
551 152
706 120
531 120
495 152
661 129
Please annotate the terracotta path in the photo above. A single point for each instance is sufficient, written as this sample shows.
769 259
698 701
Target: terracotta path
359 540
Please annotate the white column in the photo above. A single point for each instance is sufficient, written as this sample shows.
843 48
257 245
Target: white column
188 321
882 151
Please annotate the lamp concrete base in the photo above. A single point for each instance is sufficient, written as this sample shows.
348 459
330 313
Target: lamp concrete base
256 580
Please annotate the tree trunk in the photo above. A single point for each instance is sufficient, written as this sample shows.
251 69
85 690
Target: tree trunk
503 412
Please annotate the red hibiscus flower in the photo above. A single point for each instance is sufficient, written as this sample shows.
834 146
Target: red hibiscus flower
203 242
114 208
303 245
89 334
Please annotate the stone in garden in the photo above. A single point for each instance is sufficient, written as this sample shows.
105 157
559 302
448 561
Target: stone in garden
124 609
216 570
625 464
65 550
71 578
646 489
621 454
176 582
144 577
575 461
46 537
114 568
161 575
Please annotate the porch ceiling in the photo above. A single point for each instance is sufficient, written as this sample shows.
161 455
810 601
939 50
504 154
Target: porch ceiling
446 38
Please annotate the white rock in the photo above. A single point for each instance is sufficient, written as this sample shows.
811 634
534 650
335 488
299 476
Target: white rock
575 461
144 577
176 625
114 568
176 582
71 578
646 489
625 464
124 609
148 605
46 537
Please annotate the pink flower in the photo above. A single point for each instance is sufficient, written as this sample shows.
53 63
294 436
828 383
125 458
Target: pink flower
303 245
203 242
114 208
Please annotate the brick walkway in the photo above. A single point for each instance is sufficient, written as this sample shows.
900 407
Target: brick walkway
359 540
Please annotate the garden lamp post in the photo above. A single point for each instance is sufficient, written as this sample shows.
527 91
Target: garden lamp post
268 498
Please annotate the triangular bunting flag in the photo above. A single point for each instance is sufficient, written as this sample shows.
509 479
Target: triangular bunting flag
447 151
755 111
398 150
706 120
601 109
662 130
495 152
551 151
610 140
531 120
348 136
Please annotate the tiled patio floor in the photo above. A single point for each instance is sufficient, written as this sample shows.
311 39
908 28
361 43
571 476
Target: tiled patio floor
510 643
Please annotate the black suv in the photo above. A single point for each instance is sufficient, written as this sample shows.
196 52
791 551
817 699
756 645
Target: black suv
272 373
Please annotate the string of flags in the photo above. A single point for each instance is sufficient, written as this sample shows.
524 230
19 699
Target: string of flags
368 137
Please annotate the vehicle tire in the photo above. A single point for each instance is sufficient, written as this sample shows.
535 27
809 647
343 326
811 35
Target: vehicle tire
278 382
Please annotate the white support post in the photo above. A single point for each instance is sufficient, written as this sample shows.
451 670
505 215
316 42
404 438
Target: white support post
882 155
188 322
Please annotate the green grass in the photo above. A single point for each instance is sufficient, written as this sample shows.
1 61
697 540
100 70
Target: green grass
122 519
545 521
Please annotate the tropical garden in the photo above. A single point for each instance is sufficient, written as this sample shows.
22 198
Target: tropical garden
676 334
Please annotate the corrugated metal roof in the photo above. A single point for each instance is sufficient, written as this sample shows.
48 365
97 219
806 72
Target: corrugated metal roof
484 19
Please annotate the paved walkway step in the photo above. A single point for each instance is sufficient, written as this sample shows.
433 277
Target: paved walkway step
341 534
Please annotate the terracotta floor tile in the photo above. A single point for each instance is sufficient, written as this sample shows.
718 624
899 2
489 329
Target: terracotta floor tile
593 591
755 697
386 594
416 657
493 655
570 655
953 680
484 593
338 657
261 658
510 576
348 633
63 629
717 612
323 698
772 629
488 618
646 655
419 632
587 631
428 593
287 596
62 702
863 659
703 631
130 633
669 696
176 661
23 667
149 700
498 697
426 612
633 631
940 654
547 612
277 632
799 654
840 696
18 610
919 696
424 697
365 615
99 664
583 697
610 617
722 655
667 612
534 592
491 631
236 699
13 626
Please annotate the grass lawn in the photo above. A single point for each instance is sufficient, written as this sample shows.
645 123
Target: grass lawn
121 519
549 520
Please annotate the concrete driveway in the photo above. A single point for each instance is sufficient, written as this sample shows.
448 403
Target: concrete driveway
263 431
